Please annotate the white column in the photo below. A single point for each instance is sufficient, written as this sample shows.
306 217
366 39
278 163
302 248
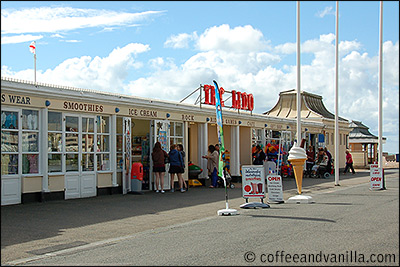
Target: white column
113 149
337 156
203 148
186 147
235 151
44 168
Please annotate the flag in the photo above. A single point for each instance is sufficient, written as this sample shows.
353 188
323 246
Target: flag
32 47
220 130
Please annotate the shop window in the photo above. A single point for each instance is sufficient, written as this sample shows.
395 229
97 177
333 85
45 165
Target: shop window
13 148
9 164
71 162
176 133
71 124
9 120
9 142
327 139
30 141
103 143
54 141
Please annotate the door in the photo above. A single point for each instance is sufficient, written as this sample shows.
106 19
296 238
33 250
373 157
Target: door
88 147
127 158
160 133
10 160
80 146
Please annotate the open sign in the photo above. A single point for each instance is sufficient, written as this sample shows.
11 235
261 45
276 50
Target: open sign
376 177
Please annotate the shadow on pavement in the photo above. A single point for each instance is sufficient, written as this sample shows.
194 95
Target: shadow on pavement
33 221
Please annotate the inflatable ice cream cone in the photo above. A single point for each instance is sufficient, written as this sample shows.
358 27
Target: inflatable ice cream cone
298 166
297 157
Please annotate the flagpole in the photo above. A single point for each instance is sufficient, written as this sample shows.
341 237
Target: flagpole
34 56
337 156
298 92
380 77
220 131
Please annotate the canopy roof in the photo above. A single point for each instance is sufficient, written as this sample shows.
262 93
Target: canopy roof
312 106
361 132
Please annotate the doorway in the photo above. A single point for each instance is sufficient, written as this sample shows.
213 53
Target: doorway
80 146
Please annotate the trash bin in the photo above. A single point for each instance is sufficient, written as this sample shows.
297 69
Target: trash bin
136 177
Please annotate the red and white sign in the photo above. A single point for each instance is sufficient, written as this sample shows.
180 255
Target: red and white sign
240 100
376 177
253 181
275 191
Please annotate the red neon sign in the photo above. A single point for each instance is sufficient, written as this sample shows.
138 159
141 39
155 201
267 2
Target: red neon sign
240 100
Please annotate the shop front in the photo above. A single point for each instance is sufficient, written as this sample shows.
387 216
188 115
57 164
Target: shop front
66 143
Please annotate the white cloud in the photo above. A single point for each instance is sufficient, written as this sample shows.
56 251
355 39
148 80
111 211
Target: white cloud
20 38
248 68
57 35
56 19
238 39
181 40
107 74
327 11
71 41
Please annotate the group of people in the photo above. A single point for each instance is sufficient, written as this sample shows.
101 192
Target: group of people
176 160
323 162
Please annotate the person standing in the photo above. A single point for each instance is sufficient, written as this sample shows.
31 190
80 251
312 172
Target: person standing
349 163
212 165
158 156
176 167
310 159
183 154
258 156
329 166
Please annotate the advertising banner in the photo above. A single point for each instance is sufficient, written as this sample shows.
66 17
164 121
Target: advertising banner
253 181
275 191
376 177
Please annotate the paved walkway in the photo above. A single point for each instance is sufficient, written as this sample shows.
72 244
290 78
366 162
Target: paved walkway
38 228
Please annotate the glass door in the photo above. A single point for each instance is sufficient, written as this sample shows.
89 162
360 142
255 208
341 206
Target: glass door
80 147
127 158
10 159
71 133
161 134
87 169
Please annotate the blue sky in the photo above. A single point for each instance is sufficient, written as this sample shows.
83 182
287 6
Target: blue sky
165 49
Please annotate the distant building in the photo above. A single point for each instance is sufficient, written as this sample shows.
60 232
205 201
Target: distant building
313 110
363 144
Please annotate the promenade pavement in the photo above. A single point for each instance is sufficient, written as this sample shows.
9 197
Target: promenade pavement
39 228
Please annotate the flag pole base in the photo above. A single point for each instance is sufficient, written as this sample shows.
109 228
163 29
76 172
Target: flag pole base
227 212
300 199
254 205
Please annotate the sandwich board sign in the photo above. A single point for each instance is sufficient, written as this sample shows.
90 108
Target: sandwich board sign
376 177
274 185
253 181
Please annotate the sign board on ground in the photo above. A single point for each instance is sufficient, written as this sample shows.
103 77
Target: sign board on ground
274 185
376 177
253 181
